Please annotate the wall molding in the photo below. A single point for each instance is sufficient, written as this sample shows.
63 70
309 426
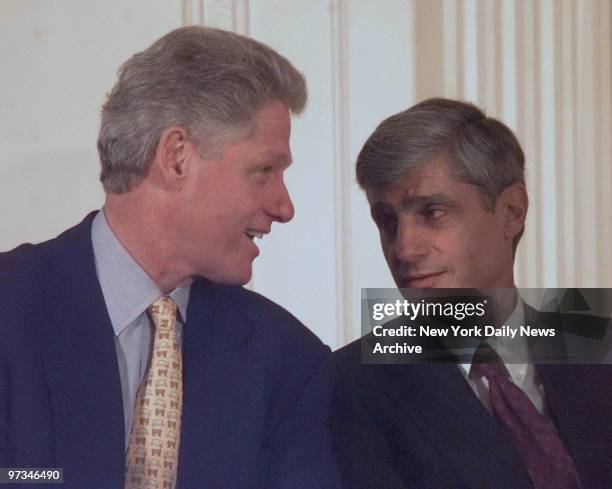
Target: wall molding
231 15
342 168
192 12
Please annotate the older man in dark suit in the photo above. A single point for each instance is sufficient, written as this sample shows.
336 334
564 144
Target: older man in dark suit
129 355
446 189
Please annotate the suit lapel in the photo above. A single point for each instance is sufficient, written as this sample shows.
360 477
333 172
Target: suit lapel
225 393
81 365
437 400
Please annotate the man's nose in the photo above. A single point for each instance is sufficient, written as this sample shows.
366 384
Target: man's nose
410 243
281 207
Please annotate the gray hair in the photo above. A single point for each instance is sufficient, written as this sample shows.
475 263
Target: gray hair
208 81
480 150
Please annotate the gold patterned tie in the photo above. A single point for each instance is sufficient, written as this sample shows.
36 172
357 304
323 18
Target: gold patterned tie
152 455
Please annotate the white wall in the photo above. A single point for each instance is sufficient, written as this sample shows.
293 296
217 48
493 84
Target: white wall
58 60
364 60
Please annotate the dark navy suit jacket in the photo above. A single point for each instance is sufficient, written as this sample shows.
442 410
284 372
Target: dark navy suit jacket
421 426
256 381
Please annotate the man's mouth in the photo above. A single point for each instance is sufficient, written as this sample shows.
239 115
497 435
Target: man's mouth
255 234
421 280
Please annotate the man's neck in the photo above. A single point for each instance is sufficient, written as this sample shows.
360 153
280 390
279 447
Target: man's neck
139 231
505 303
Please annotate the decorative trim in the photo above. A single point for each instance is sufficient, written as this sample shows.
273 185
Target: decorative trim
586 176
449 58
231 15
241 16
193 12
219 13
567 158
471 85
604 150
549 158
342 168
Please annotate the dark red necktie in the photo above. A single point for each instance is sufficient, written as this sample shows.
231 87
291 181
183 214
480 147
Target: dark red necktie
533 433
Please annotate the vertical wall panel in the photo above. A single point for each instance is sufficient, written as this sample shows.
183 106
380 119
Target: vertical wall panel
192 12
604 136
586 224
528 251
342 170
490 87
450 54
470 50
509 60
231 15
498 31
576 123
547 192
567 159
429 43
520 262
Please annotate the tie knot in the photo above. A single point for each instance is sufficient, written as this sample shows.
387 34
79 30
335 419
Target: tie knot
163 312
487 362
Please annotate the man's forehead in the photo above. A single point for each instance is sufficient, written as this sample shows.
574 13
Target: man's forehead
426 182
258 152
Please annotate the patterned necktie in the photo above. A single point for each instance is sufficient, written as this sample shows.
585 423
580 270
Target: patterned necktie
533 433
153 446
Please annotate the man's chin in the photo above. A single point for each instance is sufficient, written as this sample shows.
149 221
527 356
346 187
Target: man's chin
231 277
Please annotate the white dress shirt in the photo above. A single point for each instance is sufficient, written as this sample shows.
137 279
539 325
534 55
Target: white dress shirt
128 292
522 374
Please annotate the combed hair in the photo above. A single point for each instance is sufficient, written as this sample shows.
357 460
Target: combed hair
480 150
209 81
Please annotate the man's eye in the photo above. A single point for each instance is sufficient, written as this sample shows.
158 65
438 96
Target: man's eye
432 213
262 174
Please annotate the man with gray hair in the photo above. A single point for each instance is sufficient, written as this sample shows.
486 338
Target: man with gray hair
446 189
130 355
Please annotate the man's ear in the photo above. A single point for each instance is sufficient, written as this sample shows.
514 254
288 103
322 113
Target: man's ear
172 156
512 205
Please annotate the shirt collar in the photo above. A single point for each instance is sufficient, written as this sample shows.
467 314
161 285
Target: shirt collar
509 349
128 290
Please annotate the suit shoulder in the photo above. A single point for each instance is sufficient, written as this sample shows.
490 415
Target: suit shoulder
23 283
273 339
268 318
24 270
348 355
21 269
21 257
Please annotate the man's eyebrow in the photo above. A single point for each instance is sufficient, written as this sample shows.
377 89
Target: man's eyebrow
283 159
408 202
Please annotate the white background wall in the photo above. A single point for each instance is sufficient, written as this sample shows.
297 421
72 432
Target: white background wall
543 66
